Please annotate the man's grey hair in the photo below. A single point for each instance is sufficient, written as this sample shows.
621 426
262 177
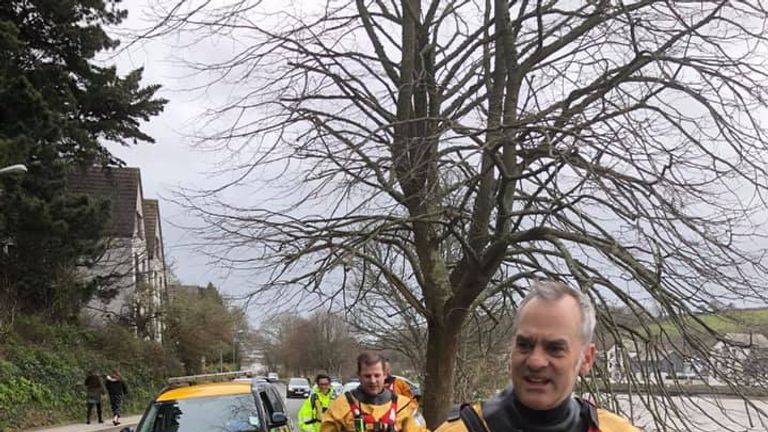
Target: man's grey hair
555 290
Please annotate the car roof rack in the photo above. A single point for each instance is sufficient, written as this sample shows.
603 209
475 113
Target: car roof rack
213 377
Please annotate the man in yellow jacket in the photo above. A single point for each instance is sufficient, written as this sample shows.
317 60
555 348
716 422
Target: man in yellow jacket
371 407
552 346
397 385
311 412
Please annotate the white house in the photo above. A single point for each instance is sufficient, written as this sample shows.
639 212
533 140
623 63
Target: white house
653 358
743 355
131 274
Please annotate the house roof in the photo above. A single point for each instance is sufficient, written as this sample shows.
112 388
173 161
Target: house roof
151 222
122 186
632 346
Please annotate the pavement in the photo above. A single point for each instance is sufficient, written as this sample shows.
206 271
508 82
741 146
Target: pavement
130 421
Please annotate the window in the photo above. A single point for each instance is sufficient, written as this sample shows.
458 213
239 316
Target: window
236 413
277 401
271 401
136 267
140 225
267 403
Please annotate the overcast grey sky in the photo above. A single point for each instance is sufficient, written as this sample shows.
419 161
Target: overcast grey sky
171 163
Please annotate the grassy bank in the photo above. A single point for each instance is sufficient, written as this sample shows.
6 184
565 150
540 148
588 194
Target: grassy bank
43 366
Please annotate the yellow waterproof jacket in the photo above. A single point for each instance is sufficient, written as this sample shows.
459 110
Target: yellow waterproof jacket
605 421
340 418
311 412
402 388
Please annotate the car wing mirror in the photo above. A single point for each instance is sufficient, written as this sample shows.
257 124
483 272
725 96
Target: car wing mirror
279 419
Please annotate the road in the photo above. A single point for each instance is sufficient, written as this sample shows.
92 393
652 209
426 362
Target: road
293 405
706 413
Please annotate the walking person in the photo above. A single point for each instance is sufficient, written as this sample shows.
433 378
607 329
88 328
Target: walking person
402 388
93 391
551 346
116 389
397 385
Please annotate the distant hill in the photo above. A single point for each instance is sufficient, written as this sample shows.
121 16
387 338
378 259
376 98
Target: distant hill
726 321
748 320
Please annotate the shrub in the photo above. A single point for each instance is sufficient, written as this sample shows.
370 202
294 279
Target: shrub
43 368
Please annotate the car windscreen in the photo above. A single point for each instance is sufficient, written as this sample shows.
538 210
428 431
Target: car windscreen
298 382
237 413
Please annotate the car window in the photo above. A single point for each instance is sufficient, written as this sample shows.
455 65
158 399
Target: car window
266 403
272 402
277 401
298 382
236 413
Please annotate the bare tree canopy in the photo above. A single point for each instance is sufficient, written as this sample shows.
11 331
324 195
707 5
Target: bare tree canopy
456 150
296 346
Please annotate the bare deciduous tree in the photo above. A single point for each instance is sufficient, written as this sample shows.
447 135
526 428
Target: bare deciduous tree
460 149
307 346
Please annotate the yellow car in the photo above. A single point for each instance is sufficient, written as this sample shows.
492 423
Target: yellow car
196 404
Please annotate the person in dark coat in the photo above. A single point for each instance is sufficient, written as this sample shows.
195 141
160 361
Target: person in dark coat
93 391
116 389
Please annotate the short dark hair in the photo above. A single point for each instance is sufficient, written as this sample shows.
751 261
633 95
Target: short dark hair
321 376
368 358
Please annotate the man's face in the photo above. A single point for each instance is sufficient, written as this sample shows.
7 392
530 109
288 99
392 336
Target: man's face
548 353
324 385
372 378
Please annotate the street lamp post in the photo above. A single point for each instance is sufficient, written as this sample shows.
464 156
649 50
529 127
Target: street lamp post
234 348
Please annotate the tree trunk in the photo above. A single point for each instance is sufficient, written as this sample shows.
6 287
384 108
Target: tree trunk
442 345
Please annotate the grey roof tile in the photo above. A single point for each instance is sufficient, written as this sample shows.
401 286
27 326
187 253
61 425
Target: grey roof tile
120 185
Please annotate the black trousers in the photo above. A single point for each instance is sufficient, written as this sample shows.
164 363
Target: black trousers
90 406
115 402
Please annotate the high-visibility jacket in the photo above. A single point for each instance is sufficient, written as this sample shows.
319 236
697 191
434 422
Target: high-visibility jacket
341 417
600 420
311 412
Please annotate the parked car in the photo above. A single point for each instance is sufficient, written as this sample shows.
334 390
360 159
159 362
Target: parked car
273 377
688 375
349 386
192 404
298 387
337 387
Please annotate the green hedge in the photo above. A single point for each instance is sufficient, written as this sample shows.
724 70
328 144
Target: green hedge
43 366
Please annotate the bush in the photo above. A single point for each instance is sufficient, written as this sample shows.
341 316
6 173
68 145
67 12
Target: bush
43 367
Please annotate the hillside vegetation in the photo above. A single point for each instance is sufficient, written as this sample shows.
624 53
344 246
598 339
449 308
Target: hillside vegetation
726 321
43 366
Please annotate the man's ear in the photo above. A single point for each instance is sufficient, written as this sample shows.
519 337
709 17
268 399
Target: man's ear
588 359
